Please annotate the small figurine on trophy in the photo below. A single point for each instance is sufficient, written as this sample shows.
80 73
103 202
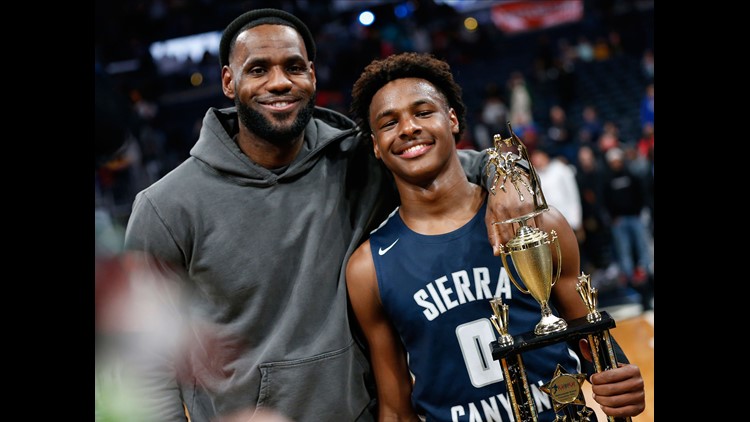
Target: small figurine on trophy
599 341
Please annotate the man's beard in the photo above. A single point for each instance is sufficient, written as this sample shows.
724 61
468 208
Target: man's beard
264 128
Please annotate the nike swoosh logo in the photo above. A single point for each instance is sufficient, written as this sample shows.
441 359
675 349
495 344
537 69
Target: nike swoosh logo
382 251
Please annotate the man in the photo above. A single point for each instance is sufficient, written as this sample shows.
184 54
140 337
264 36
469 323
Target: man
258 222
420 285
624 198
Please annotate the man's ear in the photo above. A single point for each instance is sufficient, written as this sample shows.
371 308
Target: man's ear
227 82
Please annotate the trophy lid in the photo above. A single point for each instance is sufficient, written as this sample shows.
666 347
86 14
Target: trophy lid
526 238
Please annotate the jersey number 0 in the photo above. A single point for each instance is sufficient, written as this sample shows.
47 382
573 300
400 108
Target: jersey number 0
474 338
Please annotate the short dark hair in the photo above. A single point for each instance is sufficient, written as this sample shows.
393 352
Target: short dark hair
405 65
257 17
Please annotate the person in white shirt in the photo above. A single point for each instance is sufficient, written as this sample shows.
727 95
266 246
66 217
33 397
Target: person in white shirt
559 186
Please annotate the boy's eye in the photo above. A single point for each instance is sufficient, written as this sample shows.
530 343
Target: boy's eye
388 124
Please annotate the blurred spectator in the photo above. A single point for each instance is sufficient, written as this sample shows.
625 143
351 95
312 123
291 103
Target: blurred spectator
591 127
647 65
624 200
492 120
114 122
641 166
585 49
529 133
646 142
559 137
610 138
615 43
559 186
647 106
596 243
566 52
650 190
646 153
520 100
119 179
611 127
636 163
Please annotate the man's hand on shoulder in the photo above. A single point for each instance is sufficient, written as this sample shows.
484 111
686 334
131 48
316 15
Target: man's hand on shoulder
503 205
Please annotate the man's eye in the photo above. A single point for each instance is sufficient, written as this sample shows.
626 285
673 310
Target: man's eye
297 69
424 113
256 71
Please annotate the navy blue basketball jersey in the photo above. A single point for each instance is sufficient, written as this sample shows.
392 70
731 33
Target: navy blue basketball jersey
436 290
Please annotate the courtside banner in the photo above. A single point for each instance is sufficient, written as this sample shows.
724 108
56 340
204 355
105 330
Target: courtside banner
521 16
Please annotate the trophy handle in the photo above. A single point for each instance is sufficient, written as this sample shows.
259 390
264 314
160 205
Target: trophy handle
559 256
510 273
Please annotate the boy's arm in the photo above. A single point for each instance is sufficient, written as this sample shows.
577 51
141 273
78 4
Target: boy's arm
388 358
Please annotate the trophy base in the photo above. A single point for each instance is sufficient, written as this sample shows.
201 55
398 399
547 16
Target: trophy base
510 355
577 328
550 324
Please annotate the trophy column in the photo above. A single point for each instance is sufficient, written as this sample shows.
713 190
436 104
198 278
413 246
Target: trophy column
522 403
600 342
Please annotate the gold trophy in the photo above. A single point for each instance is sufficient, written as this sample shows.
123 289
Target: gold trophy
530 253
531 249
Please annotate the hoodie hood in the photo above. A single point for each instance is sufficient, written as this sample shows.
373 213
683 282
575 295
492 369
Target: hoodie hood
216 147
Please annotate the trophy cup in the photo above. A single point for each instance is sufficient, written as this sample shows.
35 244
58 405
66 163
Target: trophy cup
530 252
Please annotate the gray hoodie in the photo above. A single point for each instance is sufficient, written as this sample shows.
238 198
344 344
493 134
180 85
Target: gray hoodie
261 257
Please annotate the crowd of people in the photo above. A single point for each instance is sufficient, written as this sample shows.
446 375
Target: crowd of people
602 181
